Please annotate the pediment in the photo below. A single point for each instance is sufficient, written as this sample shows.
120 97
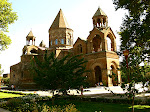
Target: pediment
94 32
79 41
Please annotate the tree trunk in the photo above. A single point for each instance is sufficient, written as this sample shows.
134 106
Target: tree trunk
53 99
65 93
133 104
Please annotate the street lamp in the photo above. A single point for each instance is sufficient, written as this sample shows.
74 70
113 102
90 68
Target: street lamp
126 53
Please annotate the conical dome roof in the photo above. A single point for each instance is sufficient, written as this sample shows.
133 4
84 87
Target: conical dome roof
42 44
60 21
99 12
30 34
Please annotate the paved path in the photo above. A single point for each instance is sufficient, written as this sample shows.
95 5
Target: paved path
2 110
93 92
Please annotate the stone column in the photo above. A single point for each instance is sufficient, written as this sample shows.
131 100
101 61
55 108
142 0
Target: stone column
104 44
27 42
93 75
28 52
101 22
106 21
32 42
115 48
119 78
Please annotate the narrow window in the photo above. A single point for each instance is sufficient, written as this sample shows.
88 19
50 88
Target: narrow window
79 48
21 74
51 42
56 41
68 42
62 41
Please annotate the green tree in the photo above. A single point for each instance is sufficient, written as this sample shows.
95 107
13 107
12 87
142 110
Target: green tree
7 16
63 74
1 71
134 75
135 30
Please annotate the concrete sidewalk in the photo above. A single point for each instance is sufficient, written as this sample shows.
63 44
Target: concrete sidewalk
3 110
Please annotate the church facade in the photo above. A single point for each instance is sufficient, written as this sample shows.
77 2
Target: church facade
102 57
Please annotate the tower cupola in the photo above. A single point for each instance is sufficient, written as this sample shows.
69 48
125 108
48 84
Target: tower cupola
29 38
60 34
100 19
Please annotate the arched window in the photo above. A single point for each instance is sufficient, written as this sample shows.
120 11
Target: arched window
51 42
13 75
62 41
108 44
79 48
68 41
56 41
97 43
111 42
98 22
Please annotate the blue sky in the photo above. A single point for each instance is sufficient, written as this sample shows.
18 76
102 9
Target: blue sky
38 15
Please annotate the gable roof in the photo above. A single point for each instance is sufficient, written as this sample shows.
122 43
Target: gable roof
42 44
60 21
79 39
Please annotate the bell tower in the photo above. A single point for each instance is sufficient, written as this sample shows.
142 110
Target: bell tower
101 52
29 38
60 34
100 19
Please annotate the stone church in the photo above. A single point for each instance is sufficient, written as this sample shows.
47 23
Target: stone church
101 54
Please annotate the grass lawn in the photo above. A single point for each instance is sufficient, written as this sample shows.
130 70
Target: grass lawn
85 106
8 95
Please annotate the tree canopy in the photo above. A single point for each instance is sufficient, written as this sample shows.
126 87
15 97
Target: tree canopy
135 32
1 71
7 16
135 29
63 74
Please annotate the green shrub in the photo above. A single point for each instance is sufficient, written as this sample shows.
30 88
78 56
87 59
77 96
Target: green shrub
67 108
29 103
6 81
14 103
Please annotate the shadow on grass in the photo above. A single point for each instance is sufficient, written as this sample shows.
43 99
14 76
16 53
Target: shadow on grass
86 106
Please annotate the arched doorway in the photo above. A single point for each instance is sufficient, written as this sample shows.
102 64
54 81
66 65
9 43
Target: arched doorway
98 74
114 76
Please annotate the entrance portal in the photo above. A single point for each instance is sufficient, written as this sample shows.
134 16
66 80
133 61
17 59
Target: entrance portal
98 74
114 76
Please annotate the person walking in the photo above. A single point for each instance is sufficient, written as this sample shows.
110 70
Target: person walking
81 88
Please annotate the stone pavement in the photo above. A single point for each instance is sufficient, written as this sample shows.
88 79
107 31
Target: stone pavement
3 110
93 92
